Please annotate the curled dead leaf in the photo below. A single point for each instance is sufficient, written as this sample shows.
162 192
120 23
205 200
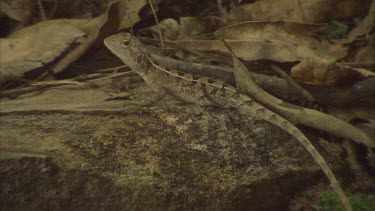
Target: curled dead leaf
364 27
300 11
323 72
195 26
366 53
41 44
34 47
170 29
96 29
187 27
19 10
279 41
131 8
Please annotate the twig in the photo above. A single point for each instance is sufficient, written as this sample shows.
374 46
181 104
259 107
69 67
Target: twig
53 10
16 92
39 86
357 65
118 75
294 84
114 69
157 23
41 10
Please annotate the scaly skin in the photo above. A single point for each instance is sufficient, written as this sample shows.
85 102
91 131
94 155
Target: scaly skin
206 91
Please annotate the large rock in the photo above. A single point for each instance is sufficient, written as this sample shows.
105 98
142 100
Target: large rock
165 157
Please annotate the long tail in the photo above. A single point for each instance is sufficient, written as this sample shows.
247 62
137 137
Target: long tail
257 110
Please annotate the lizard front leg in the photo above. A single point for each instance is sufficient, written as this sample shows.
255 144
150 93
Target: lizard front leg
144 99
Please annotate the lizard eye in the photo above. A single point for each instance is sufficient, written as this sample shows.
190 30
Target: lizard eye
125 42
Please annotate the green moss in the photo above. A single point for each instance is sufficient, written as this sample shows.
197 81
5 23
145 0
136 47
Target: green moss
336 29
330 201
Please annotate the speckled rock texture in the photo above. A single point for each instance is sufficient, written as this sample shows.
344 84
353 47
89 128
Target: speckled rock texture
169 156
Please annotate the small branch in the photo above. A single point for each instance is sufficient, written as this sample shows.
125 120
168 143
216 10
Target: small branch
357 65
41 10
157 23
298 88
39 86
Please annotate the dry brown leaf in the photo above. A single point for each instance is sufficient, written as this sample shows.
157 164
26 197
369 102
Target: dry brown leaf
132 9
195 26
355 111
51 38
364 28
293 113
366 54
19 10
170 29
34 47
187 27
323 72
277 41
308 11
96 29
364 72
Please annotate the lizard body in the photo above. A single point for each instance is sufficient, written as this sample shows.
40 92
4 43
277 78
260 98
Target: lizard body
206 91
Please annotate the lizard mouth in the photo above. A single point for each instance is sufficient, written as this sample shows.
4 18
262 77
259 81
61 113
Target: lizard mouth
109 42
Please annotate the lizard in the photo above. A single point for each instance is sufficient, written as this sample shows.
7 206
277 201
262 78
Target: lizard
206 91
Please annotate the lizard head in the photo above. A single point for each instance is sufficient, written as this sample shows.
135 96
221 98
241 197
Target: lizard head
130 50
